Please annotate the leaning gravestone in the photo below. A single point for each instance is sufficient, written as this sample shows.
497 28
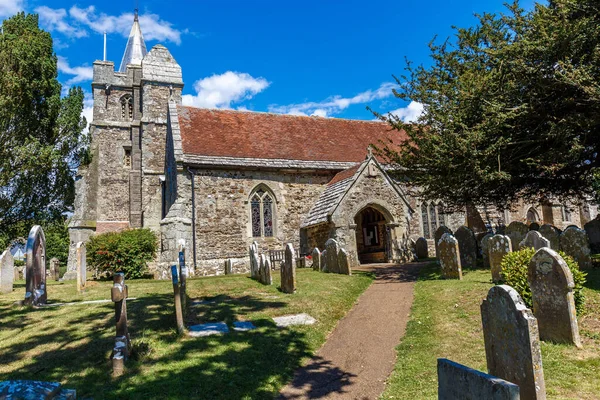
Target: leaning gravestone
331 258
316 259
438 235
592 229
35 282
288 271
81 267
534 239
551 233
485 250
498 247
254 261
574 242
266 274
516 231
7 272
55 268
552 286
457 382
450 257
421 248
467 245
344 263
512 344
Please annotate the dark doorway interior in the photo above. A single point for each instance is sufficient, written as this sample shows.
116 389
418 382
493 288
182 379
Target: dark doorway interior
371 236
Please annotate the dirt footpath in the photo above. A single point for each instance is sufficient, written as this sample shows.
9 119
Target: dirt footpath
360 353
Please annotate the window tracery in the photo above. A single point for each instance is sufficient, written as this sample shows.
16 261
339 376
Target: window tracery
262 213
127 107
432 217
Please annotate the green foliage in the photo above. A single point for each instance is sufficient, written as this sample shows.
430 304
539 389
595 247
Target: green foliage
57 241
514 273
511 108
40 132
128 251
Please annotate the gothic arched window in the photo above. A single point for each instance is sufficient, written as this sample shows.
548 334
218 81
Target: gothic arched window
127 107
262 213
566 211
532 215
432 217
425 218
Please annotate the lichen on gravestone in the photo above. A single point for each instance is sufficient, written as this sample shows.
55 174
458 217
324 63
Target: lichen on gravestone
450 257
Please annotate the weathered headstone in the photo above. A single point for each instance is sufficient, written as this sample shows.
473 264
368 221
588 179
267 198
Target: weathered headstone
332 247
498 247
316 259
551 233
458 382
7 272
437 236
467 245
552 286
592 229
81 267
119 294
228 266
450 257
534 226
516 231
177 294
267 274
344 263
421 248
55 268
254 261
485 250
574 242
324 261
534 239
35 282
512 344
288 271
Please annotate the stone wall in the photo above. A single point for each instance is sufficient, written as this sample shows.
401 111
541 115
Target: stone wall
316 236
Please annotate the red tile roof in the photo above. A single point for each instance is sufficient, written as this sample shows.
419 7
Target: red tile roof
345 174
227 133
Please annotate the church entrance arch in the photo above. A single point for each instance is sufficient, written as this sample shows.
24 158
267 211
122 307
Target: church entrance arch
372 236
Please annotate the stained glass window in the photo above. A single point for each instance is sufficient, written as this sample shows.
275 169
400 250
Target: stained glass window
255 215
268 215
440 213
432 218
261 213
425 219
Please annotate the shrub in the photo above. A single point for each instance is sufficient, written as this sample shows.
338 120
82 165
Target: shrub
127 251
514 273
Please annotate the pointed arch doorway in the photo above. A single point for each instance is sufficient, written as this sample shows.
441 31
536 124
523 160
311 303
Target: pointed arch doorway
372 236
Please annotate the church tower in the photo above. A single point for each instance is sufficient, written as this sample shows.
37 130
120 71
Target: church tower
121 187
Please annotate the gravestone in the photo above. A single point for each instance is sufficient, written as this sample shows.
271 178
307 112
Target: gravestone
177 294
534 226
228 267
331 258
485 250
512 344
498 247
288 271
316 259
458 382
55 268
551 233
118 295
574 242
267 273
516 231
552 286
7 272
467 245
449 257
324 261
534 239
35 282
344 263
81 267
592 229
437 236
421 248
254 261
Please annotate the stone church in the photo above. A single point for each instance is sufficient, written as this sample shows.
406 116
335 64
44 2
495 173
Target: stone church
217 180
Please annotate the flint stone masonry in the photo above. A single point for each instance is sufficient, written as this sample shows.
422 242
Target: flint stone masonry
467 245
7 272
552 286
485 250
512 344
35 390
516 231
288 271
421 248
574 242
35 281
498 247
592 229
535 240
552 234
438 235
458 382
316 259
450 257
297 319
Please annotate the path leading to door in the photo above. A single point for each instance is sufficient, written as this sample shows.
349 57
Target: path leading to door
360 353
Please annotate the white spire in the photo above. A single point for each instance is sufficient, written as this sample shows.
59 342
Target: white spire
136 48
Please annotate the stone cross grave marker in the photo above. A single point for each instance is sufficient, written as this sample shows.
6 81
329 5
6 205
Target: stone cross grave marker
316 259
119 294
449 257
534 239
228 266
552 286
7 272
512 343
177 295
516 231
551 233
421 248
498 247
344 263
467 245
437 236
592 229
331 262
81 267
485 250
288 271
574 242
55 268
35 282
458 382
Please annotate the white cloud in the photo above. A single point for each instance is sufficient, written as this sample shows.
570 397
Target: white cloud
88 110
220 91
9 8
410 113
56 20
334 104
81 74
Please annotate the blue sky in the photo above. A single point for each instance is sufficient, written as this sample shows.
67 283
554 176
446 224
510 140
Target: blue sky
329 57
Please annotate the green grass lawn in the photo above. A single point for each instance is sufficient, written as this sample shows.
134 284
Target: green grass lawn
72 344
446 323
